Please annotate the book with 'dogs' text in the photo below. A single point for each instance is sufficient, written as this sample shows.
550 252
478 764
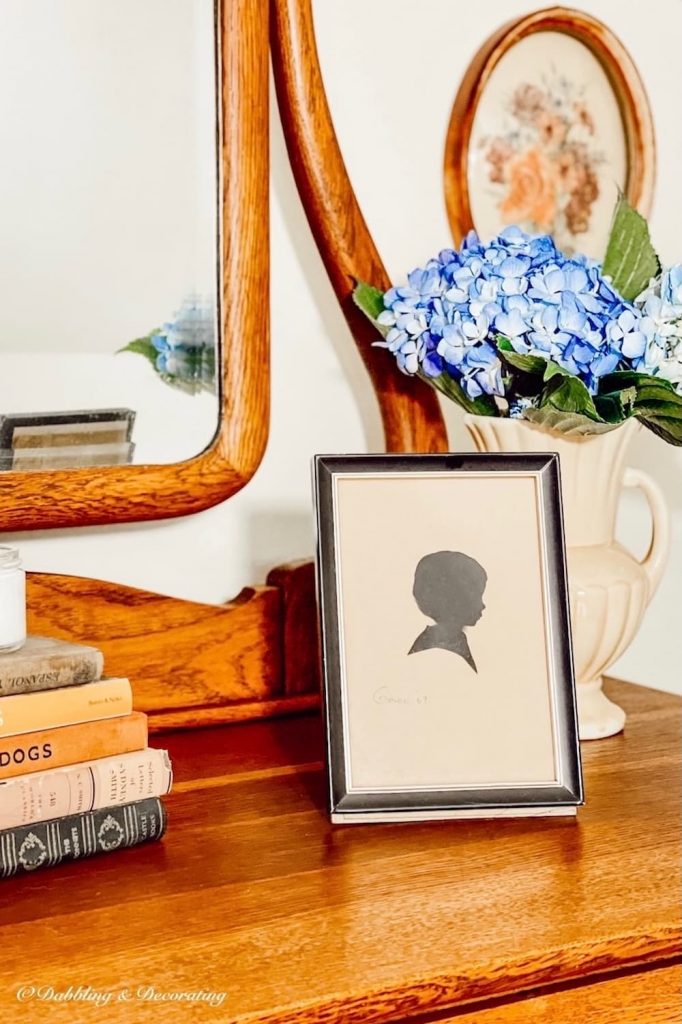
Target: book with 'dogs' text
106 782
50 709
48 843
71 744
45 664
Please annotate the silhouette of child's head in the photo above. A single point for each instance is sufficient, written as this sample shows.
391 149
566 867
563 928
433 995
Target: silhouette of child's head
448 588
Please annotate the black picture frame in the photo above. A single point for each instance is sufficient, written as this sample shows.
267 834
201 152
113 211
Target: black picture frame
566 792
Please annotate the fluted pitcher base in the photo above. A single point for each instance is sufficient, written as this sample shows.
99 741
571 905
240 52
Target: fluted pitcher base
598 717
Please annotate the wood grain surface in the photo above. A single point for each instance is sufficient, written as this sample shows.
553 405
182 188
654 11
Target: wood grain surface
82 497
300 637
409 409
191 664
642 997
618 66
255 895
177 654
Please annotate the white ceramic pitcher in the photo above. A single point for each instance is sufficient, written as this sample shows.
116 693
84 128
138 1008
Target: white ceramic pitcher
609 588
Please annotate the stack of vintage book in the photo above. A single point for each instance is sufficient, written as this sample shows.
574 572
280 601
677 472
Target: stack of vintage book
63 440
76 774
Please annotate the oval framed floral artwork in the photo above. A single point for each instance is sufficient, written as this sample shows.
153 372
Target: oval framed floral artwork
550 120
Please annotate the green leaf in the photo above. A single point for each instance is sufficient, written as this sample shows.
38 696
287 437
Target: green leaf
616 406
371 301
569 394
482 406
554 370
523 374
640 390
143 347
631 259
568 407
534 365
667 427
572 424
650 394
653 400
660 409
622 379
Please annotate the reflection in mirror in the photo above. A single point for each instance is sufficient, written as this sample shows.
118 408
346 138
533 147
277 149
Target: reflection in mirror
108 202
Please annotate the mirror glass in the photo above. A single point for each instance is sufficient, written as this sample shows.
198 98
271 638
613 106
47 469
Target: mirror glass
109 251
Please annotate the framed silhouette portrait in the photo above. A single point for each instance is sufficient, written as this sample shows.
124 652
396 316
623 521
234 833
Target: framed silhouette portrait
448 673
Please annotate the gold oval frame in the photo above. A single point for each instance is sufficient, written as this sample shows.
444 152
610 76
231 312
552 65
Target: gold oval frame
623 77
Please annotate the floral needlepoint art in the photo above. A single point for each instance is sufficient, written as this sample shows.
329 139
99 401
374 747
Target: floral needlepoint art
543 170
550 121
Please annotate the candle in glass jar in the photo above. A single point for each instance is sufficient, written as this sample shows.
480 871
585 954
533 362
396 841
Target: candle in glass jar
12 601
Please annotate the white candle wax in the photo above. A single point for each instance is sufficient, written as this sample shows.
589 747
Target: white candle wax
12 601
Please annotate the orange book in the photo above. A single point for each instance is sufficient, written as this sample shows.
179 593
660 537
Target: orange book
70 705
71 744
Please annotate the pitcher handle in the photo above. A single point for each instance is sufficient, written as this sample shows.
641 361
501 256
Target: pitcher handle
655 559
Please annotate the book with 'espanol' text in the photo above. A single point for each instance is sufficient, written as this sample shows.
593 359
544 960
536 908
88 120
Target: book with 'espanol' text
45 664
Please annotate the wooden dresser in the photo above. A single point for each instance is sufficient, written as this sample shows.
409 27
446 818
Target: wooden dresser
255 895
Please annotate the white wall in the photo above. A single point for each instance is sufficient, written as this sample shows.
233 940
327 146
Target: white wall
108 170
389 92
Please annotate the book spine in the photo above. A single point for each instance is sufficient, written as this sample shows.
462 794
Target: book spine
58 458
80 835
111 432
72 744
50 709
52 674
107 782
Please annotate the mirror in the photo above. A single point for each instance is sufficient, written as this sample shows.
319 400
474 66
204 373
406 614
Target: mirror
134 327
108 201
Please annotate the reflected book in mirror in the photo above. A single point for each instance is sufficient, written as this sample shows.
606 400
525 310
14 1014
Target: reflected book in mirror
63 440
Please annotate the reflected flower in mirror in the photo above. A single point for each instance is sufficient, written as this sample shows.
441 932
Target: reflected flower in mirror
182 352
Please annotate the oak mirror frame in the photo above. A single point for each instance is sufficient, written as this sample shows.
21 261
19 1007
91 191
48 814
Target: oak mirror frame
93 496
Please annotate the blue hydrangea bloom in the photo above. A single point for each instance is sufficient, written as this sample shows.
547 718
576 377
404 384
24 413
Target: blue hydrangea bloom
450 312
661 306
186 345
518 407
